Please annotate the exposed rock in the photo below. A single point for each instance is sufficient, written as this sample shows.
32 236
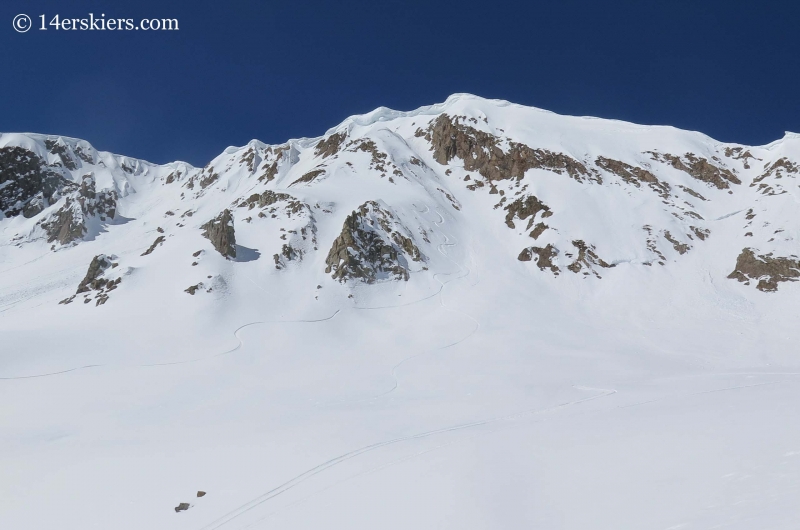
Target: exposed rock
172 177
208 180
525 208
538 230
633 175
701 233
251 159
221 233
372 247
95 282
768 270
587 258
682 248
182 507
268 198
781 168
693 193
308 177
57 147
85 155
652 245
93 279
69 223
739 153
194 288
698 168
453 201
379 159
330 145
544 258
27 185
201 494
159 240
481 152
271 169
288 253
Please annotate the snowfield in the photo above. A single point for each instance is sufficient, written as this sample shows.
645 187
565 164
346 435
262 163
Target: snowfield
475 315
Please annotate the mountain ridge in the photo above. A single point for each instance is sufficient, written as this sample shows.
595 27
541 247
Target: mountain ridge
400 317
563 186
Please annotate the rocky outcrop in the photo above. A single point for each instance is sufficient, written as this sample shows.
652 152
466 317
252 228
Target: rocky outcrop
194 288
288 253
308 177
587 259
526 208
740 153
768 270
780 169
633 175
481 152
271 168
96 283
698 168
27 185
538 230
60 149
681 248
330 145
220 232
159 241
544 257
270 198
372 246
70 223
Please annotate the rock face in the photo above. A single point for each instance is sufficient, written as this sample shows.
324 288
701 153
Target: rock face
699 168
526 208
27 185
481 152
330 145
587 259
159 241
288 253
577 196
372 247
544 257
96 281
768 270
221 233
70 222
633 175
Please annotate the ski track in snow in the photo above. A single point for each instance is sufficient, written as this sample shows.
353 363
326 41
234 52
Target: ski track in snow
352 454
198 359
221 522
286 486
357 475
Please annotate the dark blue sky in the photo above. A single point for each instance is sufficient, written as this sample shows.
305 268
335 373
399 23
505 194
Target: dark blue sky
277 70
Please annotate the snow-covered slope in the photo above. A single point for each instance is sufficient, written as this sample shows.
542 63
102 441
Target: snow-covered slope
387 313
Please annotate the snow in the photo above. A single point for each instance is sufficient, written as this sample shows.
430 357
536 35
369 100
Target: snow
482 393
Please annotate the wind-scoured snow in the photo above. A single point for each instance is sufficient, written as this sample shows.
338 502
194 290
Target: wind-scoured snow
472 315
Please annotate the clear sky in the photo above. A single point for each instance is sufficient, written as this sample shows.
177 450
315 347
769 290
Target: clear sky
239 70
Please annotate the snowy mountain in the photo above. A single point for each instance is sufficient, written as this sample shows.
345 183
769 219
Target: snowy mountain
325 315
